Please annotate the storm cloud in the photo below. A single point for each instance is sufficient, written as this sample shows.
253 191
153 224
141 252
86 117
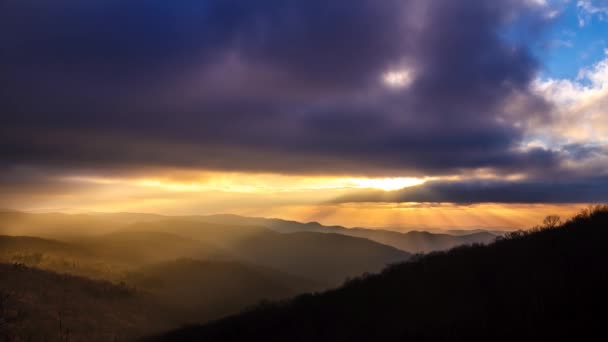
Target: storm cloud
278 86
592 190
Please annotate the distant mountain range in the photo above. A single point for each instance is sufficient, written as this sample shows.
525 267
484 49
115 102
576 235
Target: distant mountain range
326 254
413 241
324 258
541 285
137 274
67 226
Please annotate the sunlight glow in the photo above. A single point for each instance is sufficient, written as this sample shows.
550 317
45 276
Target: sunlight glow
300 198
254 183
398 78
386 184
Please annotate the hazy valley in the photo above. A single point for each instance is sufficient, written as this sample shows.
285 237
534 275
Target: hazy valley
149 273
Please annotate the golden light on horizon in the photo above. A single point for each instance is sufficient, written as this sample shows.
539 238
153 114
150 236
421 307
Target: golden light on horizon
386 184
300 198
422 216
243 182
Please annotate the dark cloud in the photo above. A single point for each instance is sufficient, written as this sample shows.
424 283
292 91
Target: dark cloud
591 190
275 85
584 151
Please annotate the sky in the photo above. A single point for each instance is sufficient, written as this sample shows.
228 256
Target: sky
396 113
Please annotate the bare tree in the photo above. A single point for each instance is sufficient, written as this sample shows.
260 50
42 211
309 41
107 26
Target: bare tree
551 221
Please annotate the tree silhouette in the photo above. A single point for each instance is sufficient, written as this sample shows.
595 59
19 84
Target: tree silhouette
551 221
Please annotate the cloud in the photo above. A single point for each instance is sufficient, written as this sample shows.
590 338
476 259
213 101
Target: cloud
591 190
579 108
591 8
560 44
276 86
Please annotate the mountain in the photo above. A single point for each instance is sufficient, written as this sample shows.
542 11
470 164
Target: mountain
149 247
202 290
328 258
413 241
70 227
325 254
324 258
460 232
109 256
57 256
541 285
29 244
37 305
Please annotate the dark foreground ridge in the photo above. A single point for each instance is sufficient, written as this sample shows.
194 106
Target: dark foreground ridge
537 285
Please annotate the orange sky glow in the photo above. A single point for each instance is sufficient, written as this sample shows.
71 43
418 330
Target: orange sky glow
301 198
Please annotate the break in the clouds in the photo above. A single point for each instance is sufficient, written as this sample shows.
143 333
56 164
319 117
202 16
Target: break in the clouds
360 87
591 8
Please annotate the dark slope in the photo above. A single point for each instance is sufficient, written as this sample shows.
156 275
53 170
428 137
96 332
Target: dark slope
534 286
413 242
203 290
37 305
324 258
327 258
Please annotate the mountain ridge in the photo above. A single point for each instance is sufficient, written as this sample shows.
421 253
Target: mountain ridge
412 241
538 285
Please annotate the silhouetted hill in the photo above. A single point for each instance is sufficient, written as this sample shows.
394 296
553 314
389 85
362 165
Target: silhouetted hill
325 258
413 241
543 285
